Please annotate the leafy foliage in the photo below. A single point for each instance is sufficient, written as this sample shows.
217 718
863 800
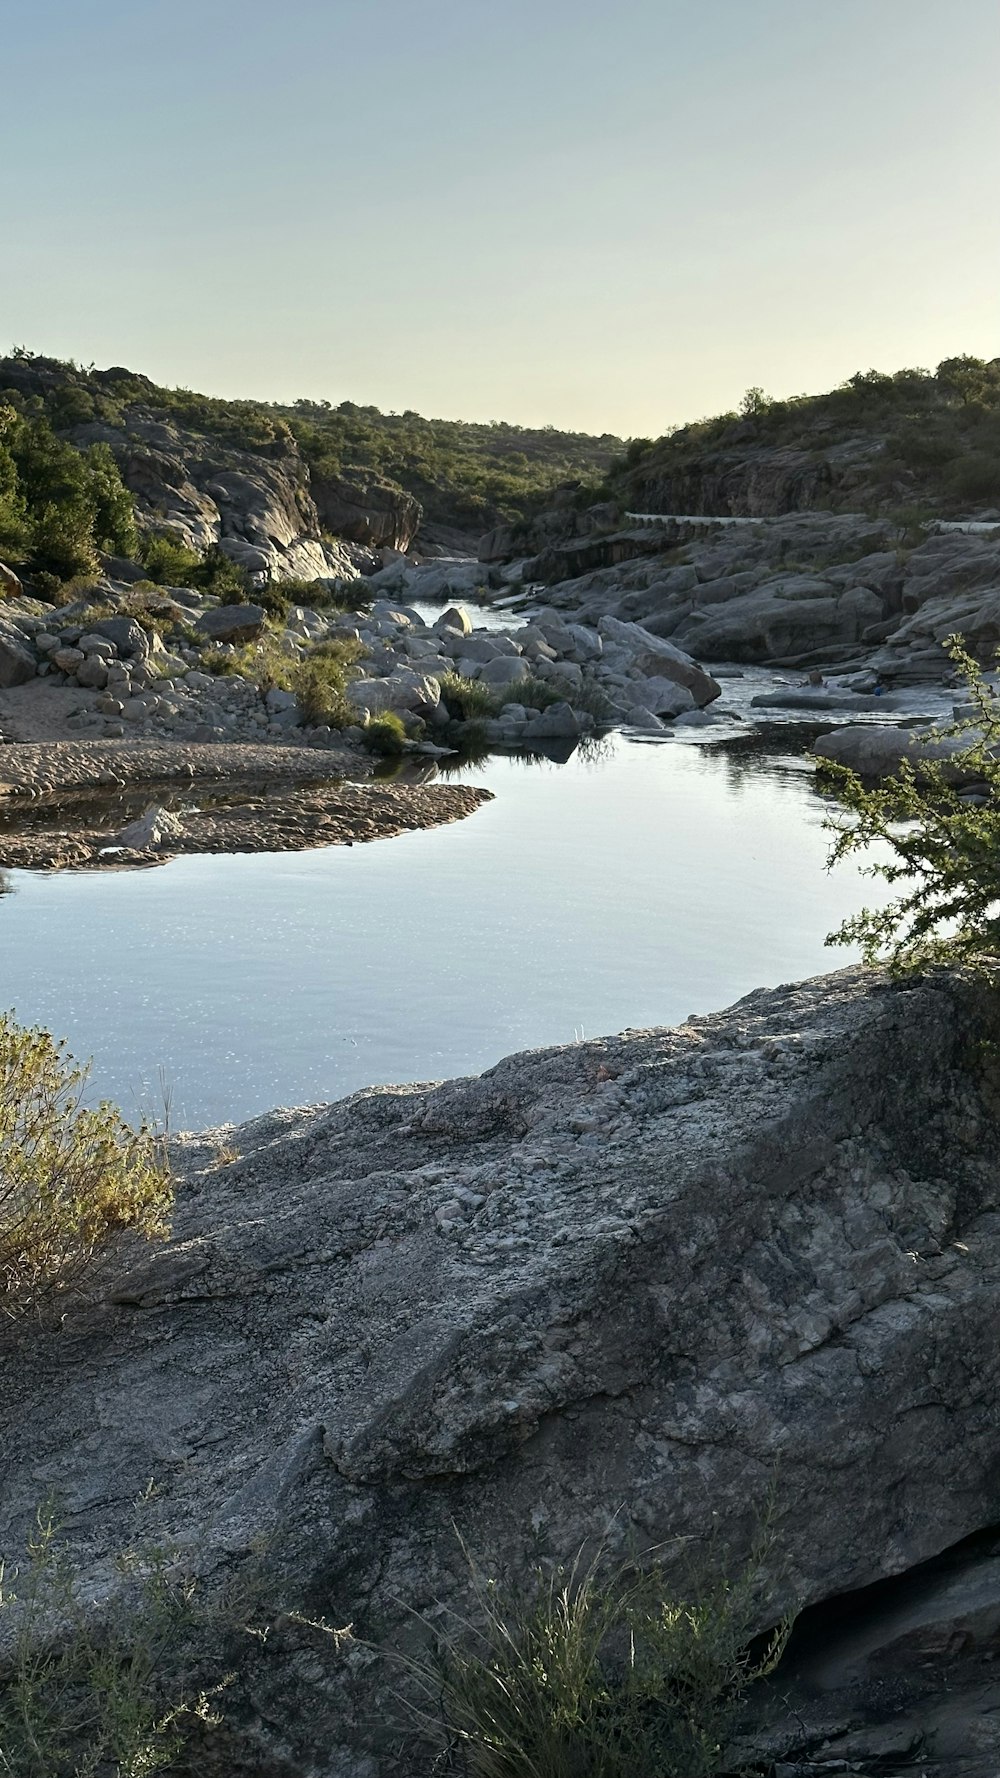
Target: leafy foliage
592 1674
169 563
469 700
72 1176
59 506
464 474
320 681
943 851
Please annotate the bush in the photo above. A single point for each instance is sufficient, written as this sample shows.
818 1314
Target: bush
320 681
170 563
535 694
59 506
79 1700
72 1177
976 477
594 1675
942 848
469 700
386 734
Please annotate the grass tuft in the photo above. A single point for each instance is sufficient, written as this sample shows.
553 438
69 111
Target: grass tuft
386 734
469 700
593 1674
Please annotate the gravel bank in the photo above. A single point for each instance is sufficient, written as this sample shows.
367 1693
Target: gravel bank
42 768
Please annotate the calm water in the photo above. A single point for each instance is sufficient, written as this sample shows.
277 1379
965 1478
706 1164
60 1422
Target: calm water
629 890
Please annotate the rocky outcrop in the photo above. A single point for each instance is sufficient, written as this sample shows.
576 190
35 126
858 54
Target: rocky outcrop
644 1283
803 589
367 509
752 480
875 751
232 623
257 507
200 486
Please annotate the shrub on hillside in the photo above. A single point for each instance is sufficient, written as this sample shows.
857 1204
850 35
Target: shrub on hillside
72 1176
59 506
171 563
320 682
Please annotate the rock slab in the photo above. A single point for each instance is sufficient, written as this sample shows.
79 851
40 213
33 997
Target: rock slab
641 1283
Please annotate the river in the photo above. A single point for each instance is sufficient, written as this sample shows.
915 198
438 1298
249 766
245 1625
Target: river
628 886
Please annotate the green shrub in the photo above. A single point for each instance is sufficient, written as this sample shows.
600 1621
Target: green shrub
534 694
170 563
386 734
469 700
272 598
976 477
59 506
71 1178
943 851
79 1700
594 1675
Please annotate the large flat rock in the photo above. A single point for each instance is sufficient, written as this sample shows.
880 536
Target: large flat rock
644 1282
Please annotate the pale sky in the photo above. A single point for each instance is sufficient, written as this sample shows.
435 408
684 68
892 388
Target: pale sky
613 215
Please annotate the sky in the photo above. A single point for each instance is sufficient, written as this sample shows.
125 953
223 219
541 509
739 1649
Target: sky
606 215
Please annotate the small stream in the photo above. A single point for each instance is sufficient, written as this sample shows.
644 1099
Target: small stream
631 885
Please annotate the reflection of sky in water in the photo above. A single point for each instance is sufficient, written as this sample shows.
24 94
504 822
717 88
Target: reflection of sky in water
633 889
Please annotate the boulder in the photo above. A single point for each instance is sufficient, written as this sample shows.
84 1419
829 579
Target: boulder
558 722
875 751
663 696
641 717
505 670
232 623
654 656
18 662
92 672
10 584
152 830
403 691
68 659
455 618
129 637
650 1288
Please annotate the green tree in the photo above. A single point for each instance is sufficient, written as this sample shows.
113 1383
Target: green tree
942 851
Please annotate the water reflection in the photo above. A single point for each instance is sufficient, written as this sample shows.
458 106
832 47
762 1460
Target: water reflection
628 885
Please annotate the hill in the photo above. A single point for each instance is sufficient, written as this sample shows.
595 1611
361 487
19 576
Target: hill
914 439
96 461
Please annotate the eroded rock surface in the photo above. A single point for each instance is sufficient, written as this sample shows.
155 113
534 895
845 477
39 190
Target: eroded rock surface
640 1282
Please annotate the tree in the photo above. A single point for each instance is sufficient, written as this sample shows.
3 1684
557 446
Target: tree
943 849
754 402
